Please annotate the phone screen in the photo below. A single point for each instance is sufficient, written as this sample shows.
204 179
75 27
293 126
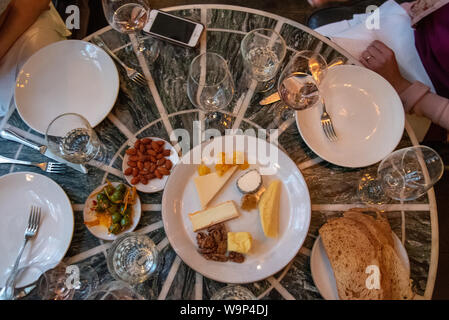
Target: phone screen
172 28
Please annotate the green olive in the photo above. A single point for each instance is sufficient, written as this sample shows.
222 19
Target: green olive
117 196
116 217
101 197
121 188
125 221
109 189
113 208
114 228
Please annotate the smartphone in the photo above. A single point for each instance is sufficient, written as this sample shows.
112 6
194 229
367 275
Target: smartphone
174 29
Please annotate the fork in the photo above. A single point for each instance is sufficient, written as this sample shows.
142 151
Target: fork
326 124
50 167
132 74
33 225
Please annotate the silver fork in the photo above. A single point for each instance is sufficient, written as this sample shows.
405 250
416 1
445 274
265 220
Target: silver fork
132 74
50 167
326 124
34 218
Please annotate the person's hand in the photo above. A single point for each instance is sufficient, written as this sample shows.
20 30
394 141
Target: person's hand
381 59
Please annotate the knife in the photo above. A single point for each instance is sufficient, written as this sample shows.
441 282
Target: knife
13 136
270 99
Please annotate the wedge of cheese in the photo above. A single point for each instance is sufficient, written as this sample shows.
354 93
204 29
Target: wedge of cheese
209 185
269 209
218 214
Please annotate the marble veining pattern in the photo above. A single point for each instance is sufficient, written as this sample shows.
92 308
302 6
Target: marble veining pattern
136 110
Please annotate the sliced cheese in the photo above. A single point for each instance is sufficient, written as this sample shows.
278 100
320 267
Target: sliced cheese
209 185
239 241
269 209
220 213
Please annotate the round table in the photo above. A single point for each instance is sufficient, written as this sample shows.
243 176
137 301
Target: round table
163 106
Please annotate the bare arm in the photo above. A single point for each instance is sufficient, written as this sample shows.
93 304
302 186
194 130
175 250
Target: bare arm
416 97
20 16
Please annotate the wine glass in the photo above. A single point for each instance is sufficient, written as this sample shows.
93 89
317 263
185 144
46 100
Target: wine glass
299 82
71 137
133 258
130 16
115 290
233 292
263 51
210 86
404 175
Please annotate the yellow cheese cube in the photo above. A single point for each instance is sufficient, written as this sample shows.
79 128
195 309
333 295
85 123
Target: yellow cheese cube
239 241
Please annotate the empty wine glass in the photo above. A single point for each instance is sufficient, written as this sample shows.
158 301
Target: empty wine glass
298 84
132 258
263 51
130 16
210 86
71 137
404 175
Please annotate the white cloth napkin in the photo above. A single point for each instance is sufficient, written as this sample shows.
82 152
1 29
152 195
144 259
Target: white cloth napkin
396 32
47 29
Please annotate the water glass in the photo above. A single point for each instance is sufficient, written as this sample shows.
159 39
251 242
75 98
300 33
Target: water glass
210 86
298 85
115 290
132 258
131 16
233 292
404 175
263 51
71 137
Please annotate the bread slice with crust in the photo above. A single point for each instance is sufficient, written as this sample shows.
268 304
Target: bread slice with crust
395 275
351 249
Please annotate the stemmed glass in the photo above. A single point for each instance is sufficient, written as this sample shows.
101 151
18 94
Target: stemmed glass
130 16
210 86
71 137
263 51
404 175
299 82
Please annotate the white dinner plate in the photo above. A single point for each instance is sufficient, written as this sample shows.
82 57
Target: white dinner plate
101 232
18 192
323 275
66 76
267 256
154 185
367 115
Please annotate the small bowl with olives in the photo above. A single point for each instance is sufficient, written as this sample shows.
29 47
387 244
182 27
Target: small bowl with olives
111 210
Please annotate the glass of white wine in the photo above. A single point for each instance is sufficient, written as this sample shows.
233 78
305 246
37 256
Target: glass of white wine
130 16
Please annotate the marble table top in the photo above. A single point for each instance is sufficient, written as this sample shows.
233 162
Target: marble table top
163 106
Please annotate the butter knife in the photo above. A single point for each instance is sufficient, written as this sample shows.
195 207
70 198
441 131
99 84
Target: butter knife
13 136
270 99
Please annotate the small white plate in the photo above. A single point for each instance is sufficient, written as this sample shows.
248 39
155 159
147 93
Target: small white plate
367 115
267 256
66 76
18 192
323 275
101 231
154 185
